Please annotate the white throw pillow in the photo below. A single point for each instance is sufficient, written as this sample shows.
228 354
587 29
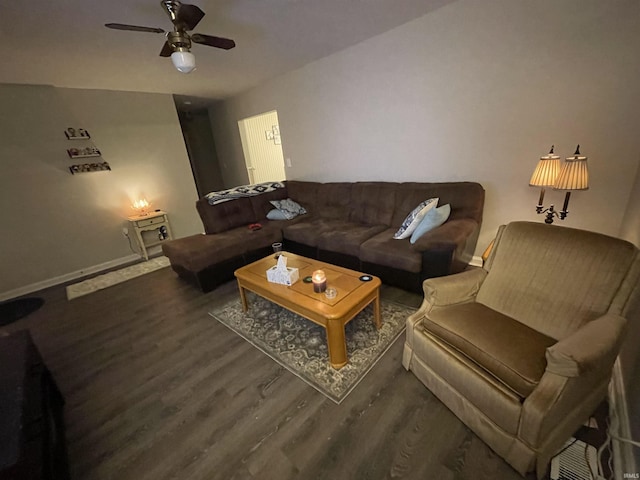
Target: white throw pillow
414 218
276 214
434 218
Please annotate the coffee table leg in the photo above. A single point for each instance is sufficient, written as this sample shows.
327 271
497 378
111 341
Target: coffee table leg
243 298
376 311
337 344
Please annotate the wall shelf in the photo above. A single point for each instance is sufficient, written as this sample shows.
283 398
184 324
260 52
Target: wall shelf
89 167
83 152
77 134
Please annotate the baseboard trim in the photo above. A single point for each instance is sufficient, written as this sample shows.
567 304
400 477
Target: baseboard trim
67 277
623 458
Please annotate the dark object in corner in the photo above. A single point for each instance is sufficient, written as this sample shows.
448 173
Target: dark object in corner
13 310
32 440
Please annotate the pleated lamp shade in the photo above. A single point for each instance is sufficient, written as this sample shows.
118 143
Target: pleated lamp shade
546 171
574 174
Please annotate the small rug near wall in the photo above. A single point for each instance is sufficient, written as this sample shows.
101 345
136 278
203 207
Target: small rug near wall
301 346
117 276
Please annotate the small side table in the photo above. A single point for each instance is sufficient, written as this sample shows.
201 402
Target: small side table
157 221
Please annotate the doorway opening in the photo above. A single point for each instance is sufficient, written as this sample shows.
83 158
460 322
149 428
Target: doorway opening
262 147
193 114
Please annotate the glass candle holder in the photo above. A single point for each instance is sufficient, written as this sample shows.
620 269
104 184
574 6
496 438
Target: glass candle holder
319 280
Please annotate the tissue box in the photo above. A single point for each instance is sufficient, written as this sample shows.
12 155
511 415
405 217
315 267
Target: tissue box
283 277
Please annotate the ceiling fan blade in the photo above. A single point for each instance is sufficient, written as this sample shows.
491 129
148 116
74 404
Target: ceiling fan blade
188 16
166 50
219 42
133 28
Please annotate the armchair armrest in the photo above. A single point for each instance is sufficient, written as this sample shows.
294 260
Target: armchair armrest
593 346
442 291
458 288
575 381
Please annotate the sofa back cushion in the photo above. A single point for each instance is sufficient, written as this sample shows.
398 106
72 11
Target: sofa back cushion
372 203
555 279
305 193
333 200
261 205
226 215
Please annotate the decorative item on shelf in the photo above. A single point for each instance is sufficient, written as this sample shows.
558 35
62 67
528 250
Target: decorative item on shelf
141 206
573 175
89 167
83 152
319 280
76 134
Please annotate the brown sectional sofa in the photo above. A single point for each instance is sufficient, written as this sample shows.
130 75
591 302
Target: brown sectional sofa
348 224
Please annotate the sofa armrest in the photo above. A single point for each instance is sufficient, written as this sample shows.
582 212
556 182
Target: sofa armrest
452 234
593 346
458 288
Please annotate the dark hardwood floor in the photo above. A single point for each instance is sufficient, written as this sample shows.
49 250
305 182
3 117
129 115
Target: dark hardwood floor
155 388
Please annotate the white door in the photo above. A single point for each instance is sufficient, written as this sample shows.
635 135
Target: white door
262 148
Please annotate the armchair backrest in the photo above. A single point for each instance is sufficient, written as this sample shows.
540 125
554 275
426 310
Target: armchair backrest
556 279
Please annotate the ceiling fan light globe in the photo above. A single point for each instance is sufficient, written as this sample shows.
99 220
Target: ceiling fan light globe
184 61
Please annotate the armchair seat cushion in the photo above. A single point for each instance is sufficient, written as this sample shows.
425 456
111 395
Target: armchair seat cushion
510 351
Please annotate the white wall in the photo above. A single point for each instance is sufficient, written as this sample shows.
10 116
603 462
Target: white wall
55 223
472 91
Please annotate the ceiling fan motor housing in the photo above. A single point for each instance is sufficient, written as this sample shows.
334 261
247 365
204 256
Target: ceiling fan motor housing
178 40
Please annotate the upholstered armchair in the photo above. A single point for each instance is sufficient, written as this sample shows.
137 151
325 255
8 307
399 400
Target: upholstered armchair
522 349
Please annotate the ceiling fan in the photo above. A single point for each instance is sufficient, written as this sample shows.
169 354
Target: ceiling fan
178 44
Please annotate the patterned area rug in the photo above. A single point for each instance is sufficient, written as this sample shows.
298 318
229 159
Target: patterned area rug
117 276
301 346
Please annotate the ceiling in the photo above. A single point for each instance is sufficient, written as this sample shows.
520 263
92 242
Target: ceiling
64 42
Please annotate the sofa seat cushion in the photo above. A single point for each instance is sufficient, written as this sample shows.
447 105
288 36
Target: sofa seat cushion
383 249
346 237
198 252
510 351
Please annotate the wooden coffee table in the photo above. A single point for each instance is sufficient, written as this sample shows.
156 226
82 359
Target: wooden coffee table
331 313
